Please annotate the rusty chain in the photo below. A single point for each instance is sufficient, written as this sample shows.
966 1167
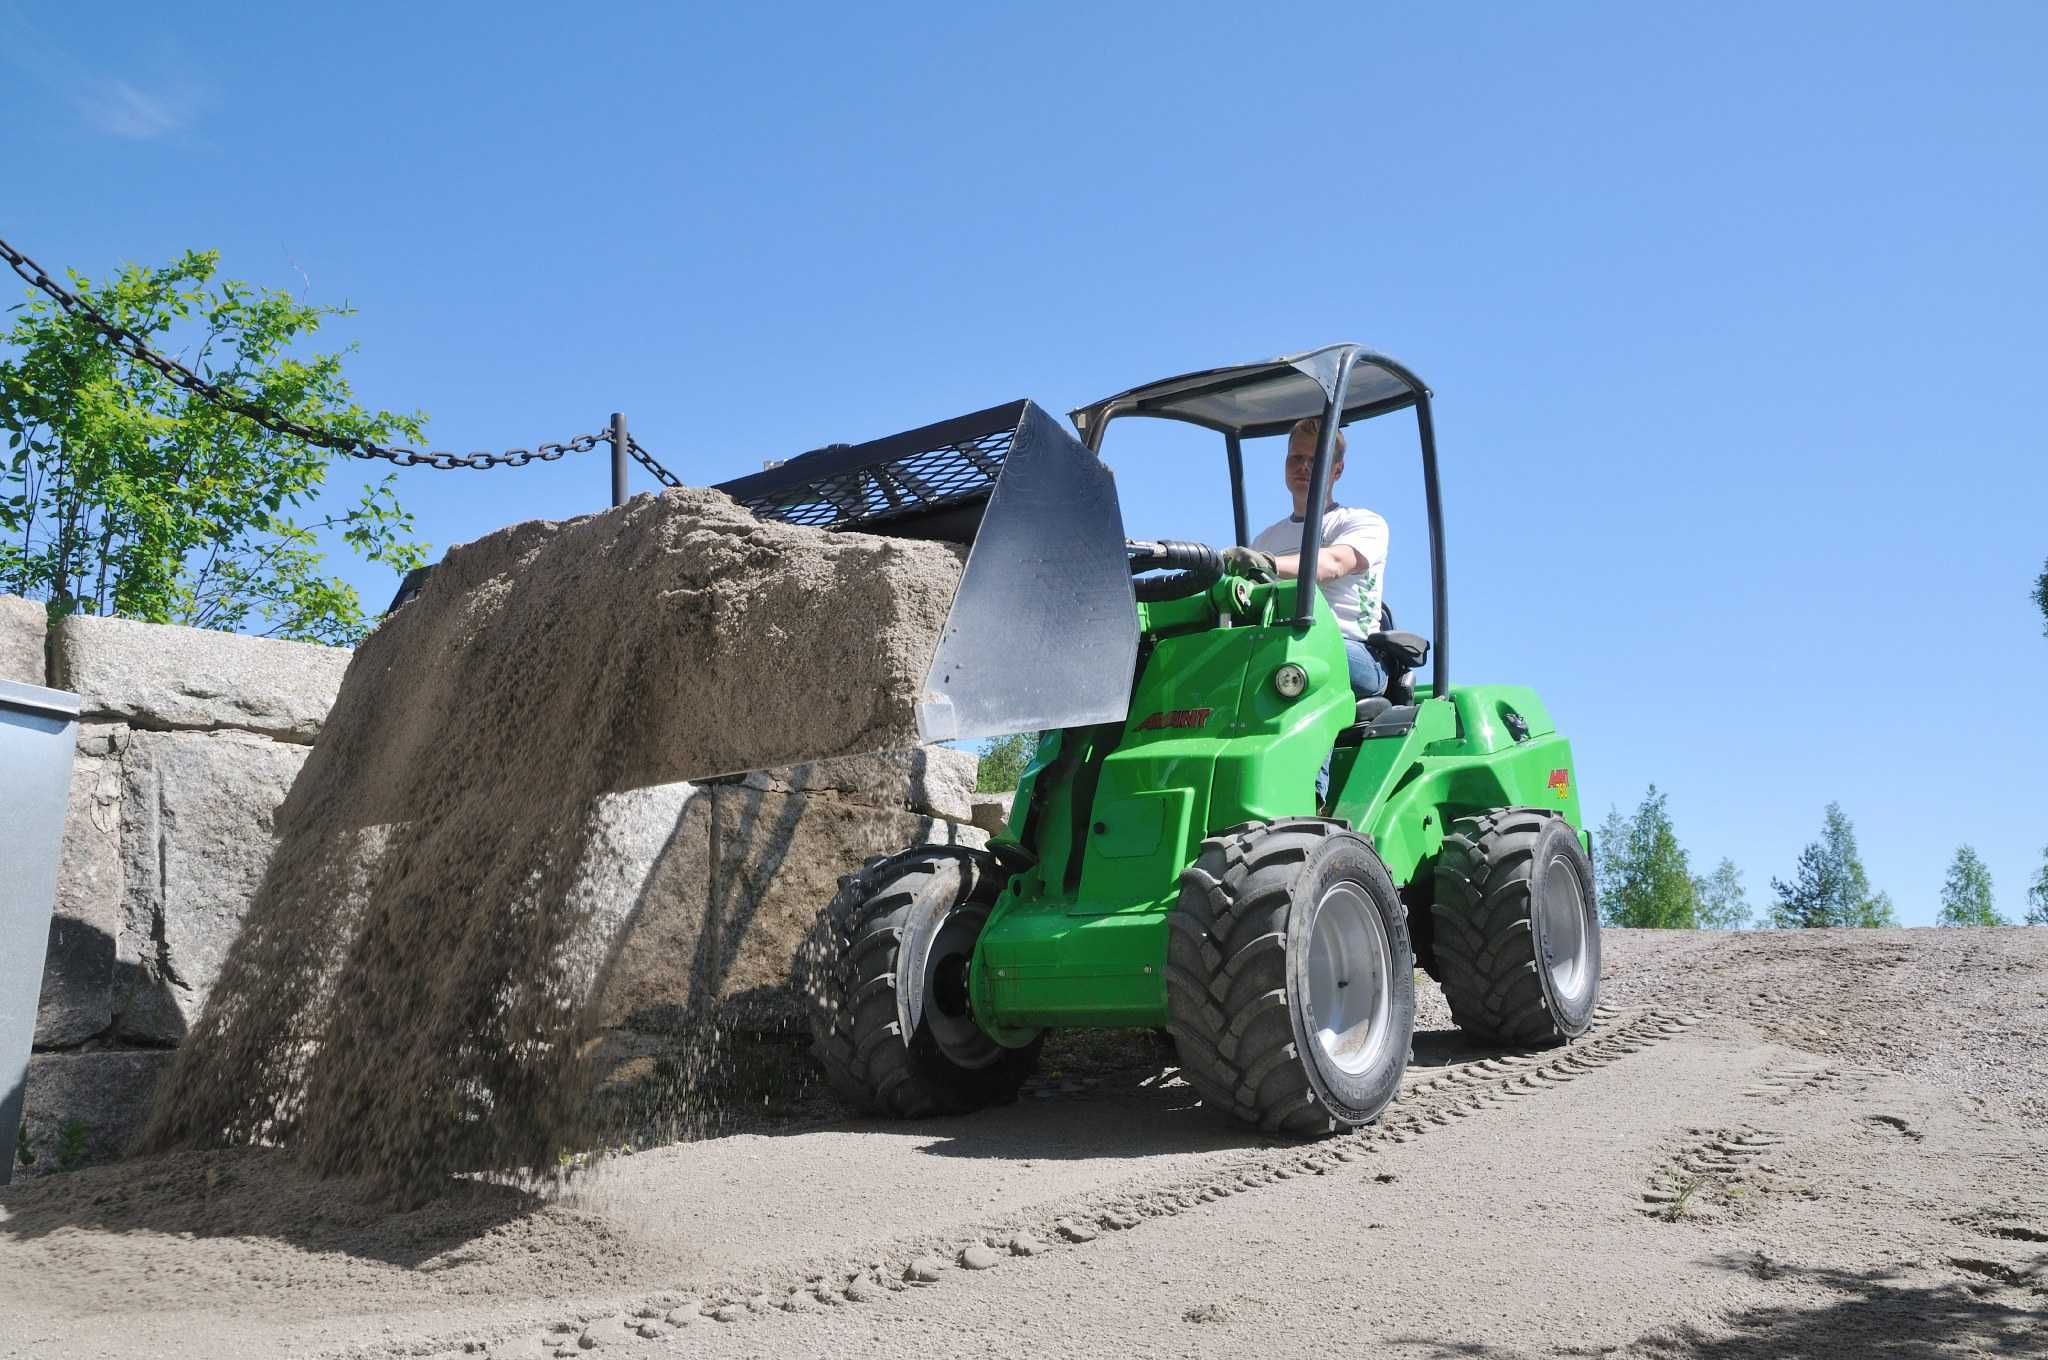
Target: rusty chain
133 345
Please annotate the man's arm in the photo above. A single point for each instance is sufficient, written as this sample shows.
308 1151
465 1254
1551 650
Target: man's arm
1336 559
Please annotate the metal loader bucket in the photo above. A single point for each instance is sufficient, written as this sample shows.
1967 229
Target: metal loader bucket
1043 632
38 731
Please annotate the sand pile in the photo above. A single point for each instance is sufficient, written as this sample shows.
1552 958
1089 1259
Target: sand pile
411 992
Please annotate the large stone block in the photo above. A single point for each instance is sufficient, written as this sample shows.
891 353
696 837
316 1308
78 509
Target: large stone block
160 676
650 980
77 999
992 811
199 831
82 1108
737 890
936 781
22 627
632 848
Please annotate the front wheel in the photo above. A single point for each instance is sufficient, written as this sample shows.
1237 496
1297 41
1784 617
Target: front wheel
1517 932
886 979
1290 991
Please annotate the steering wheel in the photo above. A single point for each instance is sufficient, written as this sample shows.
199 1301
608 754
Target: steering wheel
1192 568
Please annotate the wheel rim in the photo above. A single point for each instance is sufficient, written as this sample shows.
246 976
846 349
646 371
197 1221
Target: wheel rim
1350 980
947 1016
1566 939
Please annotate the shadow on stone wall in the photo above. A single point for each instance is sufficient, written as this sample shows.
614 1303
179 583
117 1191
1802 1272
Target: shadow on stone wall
10 1105
699 902
88 1093
91 996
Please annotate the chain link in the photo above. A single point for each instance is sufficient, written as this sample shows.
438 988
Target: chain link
646 460
133 345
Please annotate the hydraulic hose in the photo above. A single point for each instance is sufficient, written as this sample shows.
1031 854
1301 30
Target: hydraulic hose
1192 568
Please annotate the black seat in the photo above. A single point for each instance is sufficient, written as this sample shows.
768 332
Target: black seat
1401 654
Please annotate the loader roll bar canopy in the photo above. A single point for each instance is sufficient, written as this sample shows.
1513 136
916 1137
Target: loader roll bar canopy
1255 400
1342 384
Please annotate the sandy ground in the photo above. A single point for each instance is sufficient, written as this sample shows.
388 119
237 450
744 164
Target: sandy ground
1809 1144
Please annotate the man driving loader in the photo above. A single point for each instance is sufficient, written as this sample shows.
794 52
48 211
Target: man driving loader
1352 568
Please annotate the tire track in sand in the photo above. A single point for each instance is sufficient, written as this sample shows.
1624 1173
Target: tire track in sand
1708 1168
1426 1103
1785 1080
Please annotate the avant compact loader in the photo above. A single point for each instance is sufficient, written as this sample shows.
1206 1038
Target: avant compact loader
1167 862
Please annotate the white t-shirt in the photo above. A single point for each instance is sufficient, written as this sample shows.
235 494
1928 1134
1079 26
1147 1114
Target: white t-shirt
1354 599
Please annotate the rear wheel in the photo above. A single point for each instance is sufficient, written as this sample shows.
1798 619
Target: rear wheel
886 980
1289 989
1517 938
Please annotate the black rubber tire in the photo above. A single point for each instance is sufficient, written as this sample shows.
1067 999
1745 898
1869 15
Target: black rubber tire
1492 942
875 1023
1236 985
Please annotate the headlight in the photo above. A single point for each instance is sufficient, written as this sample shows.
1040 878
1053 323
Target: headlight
1290 680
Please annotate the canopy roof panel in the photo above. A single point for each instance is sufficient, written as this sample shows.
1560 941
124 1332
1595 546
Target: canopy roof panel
1252 400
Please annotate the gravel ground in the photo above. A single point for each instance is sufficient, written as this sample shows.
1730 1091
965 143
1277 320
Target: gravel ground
1825 1144
1964 1010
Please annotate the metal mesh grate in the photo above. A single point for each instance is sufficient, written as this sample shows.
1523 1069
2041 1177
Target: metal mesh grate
949 474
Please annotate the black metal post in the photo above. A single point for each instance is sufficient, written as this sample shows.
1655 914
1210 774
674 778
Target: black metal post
1319 491
1440 586
1236 452
619 446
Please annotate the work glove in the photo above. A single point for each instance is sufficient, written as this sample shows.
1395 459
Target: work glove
1249 563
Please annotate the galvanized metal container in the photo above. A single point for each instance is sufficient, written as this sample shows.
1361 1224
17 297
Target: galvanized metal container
38 731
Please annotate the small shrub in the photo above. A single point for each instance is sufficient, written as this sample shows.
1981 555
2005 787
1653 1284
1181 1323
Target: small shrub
1680 1205
71 1145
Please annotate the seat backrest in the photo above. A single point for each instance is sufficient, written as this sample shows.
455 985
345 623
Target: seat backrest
1400 654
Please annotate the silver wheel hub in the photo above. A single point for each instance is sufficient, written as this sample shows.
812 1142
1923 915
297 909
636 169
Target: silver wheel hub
1350 980
946 1013
1567 941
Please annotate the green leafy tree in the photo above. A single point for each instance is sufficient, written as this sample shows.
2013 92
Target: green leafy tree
2037 896
1829 886
1003 760
124 494
1721 902
1643 877
1966 897
1610 863
1809 900
2041 597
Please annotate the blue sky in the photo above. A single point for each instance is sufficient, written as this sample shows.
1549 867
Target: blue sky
1733 314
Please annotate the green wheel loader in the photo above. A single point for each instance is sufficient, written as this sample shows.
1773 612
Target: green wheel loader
1167 862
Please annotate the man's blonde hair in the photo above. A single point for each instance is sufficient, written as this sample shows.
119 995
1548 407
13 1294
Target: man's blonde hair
1312 426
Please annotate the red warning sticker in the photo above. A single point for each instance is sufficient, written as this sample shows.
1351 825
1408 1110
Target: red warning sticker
1561 783
1179 717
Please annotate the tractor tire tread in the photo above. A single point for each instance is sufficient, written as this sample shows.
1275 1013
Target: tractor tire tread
848 971
1484 936
1227 983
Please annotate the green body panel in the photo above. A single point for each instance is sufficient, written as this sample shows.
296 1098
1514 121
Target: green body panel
1114 813
1461 759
